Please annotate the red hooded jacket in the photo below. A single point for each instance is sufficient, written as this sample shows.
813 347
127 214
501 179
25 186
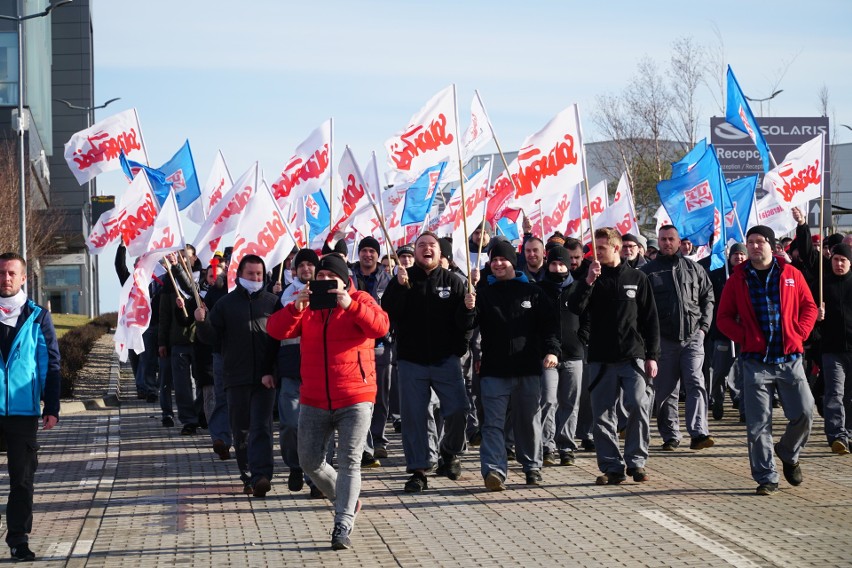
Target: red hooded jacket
737 320
338 360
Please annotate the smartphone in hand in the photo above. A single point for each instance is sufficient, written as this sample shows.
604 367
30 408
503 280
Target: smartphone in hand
320 299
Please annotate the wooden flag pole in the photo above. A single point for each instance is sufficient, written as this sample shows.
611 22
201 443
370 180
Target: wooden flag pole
461 188
821 216
168 266
189 275
586 183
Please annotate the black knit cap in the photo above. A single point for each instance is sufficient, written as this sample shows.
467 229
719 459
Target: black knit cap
335 264
832 240
763 231
843 250
339 247
446 248
559 253
506 250
306 254
369 242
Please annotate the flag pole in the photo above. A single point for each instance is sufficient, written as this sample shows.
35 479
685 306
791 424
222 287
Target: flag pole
821 211
482 224
189 275
586 182
496 142
541 219
330 176
174 283
461 188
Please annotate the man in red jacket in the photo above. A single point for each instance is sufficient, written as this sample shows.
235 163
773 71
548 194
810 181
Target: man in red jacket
338 369
767 308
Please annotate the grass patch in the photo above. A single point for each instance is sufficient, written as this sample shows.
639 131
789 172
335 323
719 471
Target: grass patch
74 349
66 322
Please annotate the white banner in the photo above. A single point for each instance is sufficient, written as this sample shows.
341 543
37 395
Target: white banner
353 194
218 182
96 149
798 179
478 133
131 220
225 215
307 170
476 199
621 213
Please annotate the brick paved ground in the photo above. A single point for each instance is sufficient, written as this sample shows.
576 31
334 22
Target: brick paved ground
115 488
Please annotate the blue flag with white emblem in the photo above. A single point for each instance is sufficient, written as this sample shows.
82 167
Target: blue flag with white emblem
421 194
682 166
159 184
180 172
317 214
738 114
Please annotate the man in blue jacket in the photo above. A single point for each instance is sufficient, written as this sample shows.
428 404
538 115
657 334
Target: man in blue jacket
29 372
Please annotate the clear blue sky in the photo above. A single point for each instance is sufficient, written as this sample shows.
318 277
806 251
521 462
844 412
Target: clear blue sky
254 78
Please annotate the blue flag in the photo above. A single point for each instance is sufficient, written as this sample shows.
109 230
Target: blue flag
159 183
738 114
508 228
682 166
421 194
180 172
741 196
691 199
317 214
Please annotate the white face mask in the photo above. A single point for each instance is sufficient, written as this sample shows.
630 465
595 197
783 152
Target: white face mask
251 285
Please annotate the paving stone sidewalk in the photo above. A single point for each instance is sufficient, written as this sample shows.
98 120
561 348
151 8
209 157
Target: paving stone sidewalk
115 488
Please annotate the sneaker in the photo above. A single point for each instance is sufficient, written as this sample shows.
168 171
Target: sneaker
587 445
416 483
369 462
534 477
222 450
610 479
168 421
22 553
247 488
380 452
475 438
452 466
261 487
670 445
718 408
494 481
316 493
397 426
567 459
189 430
510 454
638 473
296 480
839 447
792 471
340 537
549 458
767 489
701 442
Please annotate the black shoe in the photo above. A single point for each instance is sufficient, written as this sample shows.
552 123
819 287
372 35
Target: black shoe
369 462
296 480
261 487
397 426
247 488
316 493
742 418
141 395
792 471
380 452
701 442
222 450
549 458
510 454
534 477
189 430
638 474
670 445
610 479
767 489
152 398
340 537
587 445
476 438
718 408
168 421
567 459
416 483
22 553
451 466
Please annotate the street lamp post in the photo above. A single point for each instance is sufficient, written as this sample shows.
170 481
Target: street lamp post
94 289
766 99
21 126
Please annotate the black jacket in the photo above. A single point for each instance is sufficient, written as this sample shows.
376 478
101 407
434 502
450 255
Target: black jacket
683 295
622 315
718 278
519 327
836 328
572 335
238 321
430 319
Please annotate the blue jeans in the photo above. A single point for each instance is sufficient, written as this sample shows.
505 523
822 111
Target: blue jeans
217 421
316 428
181 361
524 395
146 371
250 408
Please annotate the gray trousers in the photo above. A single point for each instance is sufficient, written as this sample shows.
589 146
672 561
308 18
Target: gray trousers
524 396
416 384
316 428
288 420
181 361
681 360
585 420
568 390
837 398
218 421
608 383
722 362
760 382
381 409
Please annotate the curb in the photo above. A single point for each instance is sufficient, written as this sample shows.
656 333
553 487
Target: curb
111 400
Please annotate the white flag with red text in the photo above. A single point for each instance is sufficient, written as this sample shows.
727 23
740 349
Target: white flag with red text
560 211
598 204
478 133
429 138
218 182
307 170
96 149
131 220
621 213
352 195
475 204
225 215
262 230
798 179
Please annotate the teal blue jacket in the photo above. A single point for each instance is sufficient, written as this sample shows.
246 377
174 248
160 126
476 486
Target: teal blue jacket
31 373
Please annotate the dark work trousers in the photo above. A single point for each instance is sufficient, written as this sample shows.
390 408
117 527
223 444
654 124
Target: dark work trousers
250 408
20 432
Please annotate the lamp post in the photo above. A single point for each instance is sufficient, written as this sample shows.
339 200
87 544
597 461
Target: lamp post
21 125
766 99
94 288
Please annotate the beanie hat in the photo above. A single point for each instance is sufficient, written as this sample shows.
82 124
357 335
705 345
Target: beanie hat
629 238
506 250
335 264
843 250
653 244
339 247
306 254
763 231
557 238
369 242
405 249
485 226
559 253
737 247
832 240
643 242
446 248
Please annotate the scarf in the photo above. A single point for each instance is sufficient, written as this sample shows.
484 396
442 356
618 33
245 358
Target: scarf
10 308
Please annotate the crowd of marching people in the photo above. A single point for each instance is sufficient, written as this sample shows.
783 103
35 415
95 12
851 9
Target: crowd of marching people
545 350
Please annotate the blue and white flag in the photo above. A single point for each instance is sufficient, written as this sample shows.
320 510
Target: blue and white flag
159 184
508 229
180 172
317 215
738 114
682 166
741 195
421 194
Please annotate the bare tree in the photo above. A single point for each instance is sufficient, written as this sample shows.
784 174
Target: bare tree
686 74
825 109
716 69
